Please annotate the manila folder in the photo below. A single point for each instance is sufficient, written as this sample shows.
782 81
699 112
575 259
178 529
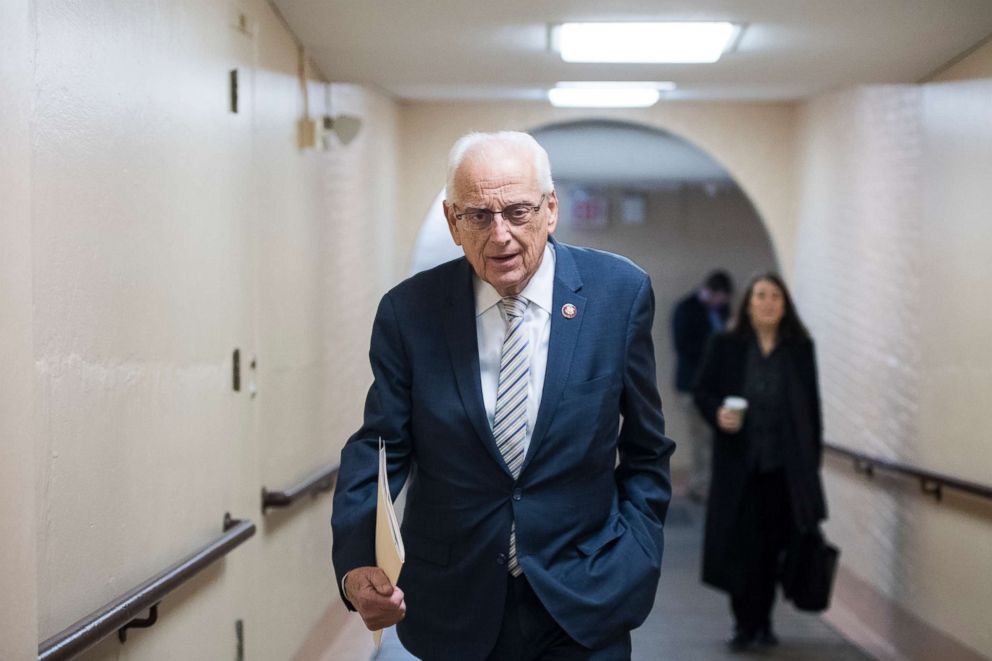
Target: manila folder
389 553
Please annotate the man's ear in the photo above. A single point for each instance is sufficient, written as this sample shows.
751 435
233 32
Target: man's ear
449 215
553 211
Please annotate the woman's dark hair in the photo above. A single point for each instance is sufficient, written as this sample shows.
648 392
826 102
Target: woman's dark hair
790 328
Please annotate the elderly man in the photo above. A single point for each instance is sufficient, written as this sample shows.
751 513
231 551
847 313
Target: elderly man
516 388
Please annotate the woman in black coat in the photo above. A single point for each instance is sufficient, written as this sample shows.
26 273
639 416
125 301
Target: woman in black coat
766 462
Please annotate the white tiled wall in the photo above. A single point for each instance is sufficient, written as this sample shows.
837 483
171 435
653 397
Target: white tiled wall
870 281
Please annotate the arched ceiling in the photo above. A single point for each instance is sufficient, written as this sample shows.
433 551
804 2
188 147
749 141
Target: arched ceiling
613 152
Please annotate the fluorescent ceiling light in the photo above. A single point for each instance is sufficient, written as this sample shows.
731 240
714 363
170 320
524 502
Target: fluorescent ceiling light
645 42
606 94
660 85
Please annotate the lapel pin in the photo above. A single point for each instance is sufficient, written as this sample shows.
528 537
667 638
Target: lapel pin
568 311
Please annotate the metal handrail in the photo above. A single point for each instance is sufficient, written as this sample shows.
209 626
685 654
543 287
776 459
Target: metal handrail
931 483
121 614
319 482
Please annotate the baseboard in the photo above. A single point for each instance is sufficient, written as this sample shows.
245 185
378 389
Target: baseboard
884 629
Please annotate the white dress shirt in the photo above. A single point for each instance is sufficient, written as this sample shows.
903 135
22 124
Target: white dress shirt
491 327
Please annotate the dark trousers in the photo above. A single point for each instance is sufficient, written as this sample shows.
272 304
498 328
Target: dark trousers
766 516
529 633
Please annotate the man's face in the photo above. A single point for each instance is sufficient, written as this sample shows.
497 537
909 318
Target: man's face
494 176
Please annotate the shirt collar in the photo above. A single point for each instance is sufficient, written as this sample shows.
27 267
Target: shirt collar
539 291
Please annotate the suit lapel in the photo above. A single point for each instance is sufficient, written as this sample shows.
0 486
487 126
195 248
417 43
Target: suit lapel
561 345
463 344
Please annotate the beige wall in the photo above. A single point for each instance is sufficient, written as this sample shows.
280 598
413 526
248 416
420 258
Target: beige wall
166 232
891 258
977 64
956 356
18 621
755 142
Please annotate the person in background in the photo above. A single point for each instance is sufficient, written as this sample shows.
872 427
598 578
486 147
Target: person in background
516 387
766 457
696 317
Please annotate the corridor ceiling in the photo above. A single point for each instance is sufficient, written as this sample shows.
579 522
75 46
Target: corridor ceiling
448 50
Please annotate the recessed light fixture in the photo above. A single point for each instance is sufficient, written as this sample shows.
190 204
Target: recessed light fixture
607 94
660 85
676 42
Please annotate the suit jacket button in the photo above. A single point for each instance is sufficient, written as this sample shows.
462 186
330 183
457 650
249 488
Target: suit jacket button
501 559
517 495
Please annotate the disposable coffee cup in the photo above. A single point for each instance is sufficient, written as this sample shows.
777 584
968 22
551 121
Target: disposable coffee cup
736 404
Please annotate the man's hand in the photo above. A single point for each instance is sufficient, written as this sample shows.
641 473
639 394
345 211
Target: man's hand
379 603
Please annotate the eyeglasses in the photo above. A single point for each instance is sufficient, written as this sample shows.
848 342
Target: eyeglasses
515 214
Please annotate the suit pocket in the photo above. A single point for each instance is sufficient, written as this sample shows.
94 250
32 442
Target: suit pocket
613 530
424 548
598 385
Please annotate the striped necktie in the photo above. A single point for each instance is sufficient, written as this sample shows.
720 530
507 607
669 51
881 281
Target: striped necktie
510 419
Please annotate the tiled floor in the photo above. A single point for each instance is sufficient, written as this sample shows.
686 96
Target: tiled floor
692 623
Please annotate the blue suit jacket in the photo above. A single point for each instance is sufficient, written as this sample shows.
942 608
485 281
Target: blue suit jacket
589 527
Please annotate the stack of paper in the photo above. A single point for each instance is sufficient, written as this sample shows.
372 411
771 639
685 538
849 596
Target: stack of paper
389 553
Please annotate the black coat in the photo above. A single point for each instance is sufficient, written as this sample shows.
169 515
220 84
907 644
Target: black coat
691 328
722 373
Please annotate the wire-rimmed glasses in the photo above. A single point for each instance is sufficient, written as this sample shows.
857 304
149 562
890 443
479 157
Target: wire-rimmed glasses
515 214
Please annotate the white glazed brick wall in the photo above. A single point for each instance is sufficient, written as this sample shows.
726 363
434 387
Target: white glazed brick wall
865 270
856 288
857 265
357 185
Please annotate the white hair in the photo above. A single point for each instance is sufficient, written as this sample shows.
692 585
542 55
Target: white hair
471 141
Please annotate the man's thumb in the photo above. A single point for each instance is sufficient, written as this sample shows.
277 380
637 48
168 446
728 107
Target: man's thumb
381 583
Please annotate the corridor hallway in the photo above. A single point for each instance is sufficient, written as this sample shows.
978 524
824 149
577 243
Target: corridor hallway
691 622
202 203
